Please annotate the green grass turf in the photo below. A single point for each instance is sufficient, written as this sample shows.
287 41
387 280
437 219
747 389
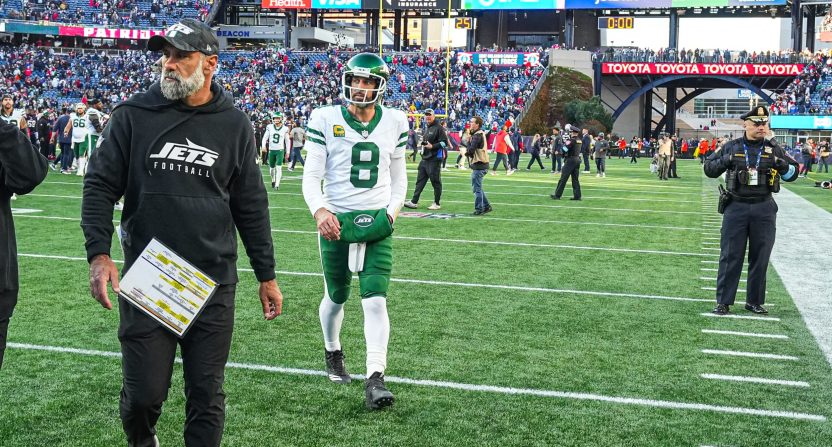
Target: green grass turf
805 187
618 346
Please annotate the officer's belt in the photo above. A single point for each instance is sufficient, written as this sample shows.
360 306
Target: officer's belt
750 199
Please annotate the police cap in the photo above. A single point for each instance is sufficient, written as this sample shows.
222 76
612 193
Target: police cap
758 114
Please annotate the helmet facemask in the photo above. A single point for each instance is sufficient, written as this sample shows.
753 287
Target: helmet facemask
363 101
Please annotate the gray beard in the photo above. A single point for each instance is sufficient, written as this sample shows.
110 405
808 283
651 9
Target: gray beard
175 91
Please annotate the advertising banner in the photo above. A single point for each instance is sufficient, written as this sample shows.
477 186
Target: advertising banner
407 4
249 32
286 4
109 33
513 4
647 68
823 122
30 28
504 59
336 4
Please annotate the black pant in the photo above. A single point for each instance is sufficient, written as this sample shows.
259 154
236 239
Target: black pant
751 224
429 169
8 299
535 156
571 168
586 162
148 352
514 158
673 173
500 157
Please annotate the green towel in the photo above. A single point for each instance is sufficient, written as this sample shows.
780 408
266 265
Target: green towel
365 225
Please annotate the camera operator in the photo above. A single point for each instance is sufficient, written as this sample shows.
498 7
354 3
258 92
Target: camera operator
434 141
753 168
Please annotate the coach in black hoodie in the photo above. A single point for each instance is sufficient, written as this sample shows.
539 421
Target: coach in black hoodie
184 159
21 170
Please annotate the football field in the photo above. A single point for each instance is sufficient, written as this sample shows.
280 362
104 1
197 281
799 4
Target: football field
543 323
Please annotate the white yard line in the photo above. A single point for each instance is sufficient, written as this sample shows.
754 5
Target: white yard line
755 380
757 355
446 283
740 317
478 388
795 251
705 278
746 334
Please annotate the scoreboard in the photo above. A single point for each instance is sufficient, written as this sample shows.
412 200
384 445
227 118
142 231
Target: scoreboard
615 22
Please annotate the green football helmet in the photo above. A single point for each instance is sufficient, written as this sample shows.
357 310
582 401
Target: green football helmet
366 65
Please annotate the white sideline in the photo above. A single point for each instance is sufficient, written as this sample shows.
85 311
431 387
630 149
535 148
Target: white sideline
705 278
740 317
758 355
443 283
746 334
756 380
480 388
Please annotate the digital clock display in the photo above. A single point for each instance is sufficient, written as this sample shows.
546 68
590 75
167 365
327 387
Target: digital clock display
615 22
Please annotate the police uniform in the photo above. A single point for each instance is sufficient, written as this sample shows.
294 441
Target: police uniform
753 171
571 166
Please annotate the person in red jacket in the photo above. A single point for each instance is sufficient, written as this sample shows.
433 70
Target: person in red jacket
503 147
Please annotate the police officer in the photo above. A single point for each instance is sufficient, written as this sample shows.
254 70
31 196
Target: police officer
753 167
571 165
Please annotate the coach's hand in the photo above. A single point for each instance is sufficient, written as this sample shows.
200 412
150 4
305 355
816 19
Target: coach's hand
272 299
103 271
328 224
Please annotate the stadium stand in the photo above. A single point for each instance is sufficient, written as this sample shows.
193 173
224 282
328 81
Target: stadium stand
116 13
810 93
264 80
713 56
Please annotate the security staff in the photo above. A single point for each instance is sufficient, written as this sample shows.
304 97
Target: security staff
557 155
572 165
753 167
434 141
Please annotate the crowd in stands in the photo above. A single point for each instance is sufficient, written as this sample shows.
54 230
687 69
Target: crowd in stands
810 93
697 55
271 79
113 13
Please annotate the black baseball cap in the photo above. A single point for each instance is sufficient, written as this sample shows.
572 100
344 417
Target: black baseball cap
187 35
94 101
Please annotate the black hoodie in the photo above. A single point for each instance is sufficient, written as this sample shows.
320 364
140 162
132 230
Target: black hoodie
188 176
21 170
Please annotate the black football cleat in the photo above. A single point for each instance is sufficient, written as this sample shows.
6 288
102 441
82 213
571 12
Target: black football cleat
721 309
554 197
336 370
756 308
487 210
377 395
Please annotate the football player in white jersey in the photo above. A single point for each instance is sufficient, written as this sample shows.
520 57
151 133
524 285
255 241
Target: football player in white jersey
358 152
11 115
77 128
276 140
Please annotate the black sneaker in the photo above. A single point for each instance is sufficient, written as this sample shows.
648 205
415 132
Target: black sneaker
756 308
335 368
721 309
488 209
554 197
377 395
272 185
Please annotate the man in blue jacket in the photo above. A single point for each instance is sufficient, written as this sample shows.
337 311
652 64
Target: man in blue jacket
22 168
184 159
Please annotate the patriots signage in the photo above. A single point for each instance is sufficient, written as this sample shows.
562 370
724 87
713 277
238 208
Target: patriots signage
504 59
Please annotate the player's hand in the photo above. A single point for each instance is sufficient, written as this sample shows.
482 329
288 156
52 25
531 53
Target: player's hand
102 271
328 225
272 299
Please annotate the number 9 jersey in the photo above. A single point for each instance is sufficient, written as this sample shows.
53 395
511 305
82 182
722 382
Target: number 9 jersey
357 172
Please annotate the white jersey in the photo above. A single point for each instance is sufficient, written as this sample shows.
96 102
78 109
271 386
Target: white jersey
14 118
358 157
79 127
90 127
277 139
